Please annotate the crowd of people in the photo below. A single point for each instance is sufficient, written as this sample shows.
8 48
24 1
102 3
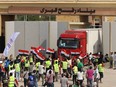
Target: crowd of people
29 69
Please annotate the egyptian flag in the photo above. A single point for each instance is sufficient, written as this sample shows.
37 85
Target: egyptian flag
39 55
50 51
23 52
37 48
82 56
40 48
65 53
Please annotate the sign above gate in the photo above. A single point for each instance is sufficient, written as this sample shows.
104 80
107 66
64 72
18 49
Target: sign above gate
66 10
61 10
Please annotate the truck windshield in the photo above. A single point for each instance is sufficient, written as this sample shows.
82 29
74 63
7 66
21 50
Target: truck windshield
68 43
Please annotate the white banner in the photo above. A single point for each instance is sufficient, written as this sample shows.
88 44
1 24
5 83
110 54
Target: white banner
10 43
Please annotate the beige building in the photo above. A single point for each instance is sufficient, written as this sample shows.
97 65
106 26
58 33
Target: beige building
79 13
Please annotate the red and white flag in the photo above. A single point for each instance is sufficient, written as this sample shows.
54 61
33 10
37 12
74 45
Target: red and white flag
82 56
37 48
75 52
26 52
49 50
64 52
39 55
40 48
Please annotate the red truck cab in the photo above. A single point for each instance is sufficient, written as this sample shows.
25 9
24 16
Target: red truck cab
74 42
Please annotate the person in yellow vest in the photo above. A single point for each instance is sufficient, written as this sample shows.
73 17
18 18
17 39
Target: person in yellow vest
12 80
27 63
56 60
10 65
37 65
75 70
47 64
101 70
30 59
65 66
56 70
17 70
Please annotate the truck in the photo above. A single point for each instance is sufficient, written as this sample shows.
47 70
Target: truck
77 42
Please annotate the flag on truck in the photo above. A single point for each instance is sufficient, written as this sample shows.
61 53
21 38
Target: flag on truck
10 43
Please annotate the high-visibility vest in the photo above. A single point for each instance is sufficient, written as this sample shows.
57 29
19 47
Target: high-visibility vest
10 66
100 68
56 68
17 67
31 59
55 61
37 65
11 81
65 65
27 64
48 63
75 69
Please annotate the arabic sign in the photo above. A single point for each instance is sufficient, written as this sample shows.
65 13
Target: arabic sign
66 10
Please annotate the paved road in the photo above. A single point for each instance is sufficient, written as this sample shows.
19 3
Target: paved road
109 79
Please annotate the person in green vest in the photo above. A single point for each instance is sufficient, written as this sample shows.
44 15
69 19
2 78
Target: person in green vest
47 64
101 70
56 70
65 66
79 64
10 65
37 65
75 70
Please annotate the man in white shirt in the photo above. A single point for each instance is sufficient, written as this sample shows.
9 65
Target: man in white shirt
12 71
90 58
41 72
96 76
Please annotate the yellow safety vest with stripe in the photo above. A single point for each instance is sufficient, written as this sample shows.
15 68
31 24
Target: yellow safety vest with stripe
75 69
100 68
17 67
56 68
48 63
31 59
27 63
10 66
11 81
65 65
37 65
